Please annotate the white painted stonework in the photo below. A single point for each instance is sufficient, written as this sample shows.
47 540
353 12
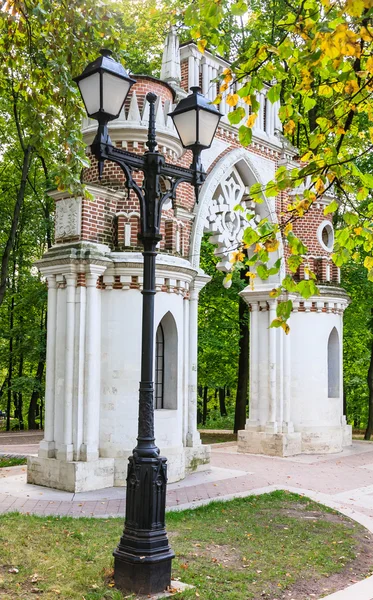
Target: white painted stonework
68 217
95 306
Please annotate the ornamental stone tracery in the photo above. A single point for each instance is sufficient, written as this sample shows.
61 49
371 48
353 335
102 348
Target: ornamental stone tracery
223 221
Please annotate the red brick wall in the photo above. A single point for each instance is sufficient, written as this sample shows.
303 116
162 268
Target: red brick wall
100 222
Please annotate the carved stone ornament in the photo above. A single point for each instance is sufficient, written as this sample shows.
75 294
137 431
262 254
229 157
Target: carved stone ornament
227 224
68 218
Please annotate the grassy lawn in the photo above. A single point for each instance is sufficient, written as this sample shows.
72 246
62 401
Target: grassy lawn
250 548
218 438
11 462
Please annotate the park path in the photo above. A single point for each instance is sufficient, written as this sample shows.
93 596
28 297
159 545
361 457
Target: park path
342 481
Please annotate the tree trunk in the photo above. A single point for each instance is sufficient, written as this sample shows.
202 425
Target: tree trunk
10 362
223 409
13 230
205 401
369 429
31 417
20 396
243 367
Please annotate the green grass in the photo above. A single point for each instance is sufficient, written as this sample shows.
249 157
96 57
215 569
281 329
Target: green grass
11 462
218 438
238 550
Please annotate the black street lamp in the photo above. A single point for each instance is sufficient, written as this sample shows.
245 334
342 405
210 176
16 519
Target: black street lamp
143 557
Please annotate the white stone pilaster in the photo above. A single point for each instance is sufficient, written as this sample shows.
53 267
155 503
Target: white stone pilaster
253 421
92 378
287 425
271 425
193 437
46 448
186 306
65 451
78 396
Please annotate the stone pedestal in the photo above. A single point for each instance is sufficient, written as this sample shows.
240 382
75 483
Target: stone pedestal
271 444
74 476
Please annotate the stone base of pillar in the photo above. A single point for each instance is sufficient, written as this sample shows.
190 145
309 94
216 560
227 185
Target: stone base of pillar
347 435
271 444
193 439
197 459
252 425
325 440
47 449
74 476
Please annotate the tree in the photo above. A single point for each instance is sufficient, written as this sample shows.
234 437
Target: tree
319 56
43 44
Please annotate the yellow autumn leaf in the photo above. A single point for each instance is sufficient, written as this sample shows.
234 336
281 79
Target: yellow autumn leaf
224 87
271 245
306 157
369 64
251 120
288 228
237 256
258 248
358 230
251 277
368 262
325 90
273 293
201 45
285 327
232 99
289 127
355 8
217 99
320 187
351 86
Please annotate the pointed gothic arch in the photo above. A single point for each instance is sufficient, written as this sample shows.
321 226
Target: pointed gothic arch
226 186
166 363
334 367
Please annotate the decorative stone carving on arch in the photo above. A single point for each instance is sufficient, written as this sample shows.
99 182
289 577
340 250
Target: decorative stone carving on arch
226 223
226 186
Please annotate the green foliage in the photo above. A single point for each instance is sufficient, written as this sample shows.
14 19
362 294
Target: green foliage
357 343
218 329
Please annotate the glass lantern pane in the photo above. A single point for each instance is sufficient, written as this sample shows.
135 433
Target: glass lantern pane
90 91
207 126
115 90
186 125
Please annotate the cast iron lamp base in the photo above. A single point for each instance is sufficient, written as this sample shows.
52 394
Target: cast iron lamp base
143 557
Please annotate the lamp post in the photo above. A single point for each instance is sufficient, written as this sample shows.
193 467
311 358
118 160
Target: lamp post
143 557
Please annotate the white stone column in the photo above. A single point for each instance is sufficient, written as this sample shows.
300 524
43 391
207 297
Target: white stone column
205 77
253 421
270 124
78 395
66 451
191 72
287 425
92 378
193 437
271 426
185 369
47 446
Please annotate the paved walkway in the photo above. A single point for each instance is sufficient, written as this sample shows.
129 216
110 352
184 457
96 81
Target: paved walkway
343 481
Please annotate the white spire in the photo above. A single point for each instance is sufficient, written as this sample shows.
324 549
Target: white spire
170 71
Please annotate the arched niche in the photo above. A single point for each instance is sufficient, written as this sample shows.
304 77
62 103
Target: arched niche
166 364
334 367
227 186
